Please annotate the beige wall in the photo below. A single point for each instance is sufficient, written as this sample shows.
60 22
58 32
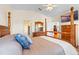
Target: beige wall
18 18
4 9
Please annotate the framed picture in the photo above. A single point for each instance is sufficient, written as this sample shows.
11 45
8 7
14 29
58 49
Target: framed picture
66 18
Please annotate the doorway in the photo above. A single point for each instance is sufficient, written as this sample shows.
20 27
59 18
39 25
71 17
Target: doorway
28 30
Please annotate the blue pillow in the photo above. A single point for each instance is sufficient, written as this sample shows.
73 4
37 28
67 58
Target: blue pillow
28 39
23 41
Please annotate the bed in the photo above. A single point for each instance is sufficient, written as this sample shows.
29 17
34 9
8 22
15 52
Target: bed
67 47
9 46
41 46
44 45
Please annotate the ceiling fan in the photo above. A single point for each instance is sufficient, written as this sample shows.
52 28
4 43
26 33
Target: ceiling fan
48 7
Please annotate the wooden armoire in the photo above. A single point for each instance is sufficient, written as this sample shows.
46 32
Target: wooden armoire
66 33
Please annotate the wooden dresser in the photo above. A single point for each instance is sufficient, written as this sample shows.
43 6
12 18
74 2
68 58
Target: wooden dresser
38 34
3 30
66 33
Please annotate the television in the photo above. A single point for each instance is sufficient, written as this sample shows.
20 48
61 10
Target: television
66 18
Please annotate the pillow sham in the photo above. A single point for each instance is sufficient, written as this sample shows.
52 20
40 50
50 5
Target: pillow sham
23 41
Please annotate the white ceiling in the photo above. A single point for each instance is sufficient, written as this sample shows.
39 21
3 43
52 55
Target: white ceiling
55 13
59 9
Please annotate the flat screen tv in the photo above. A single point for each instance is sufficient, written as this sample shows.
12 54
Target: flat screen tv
66 18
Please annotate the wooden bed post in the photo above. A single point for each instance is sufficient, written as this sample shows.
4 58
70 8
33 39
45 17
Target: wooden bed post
9 22
72 26
45 27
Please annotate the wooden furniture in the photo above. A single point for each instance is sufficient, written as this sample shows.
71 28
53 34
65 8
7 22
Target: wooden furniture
73 40
69 31
9 22
38 26
35 34
45 26
38 29
3 30
66 33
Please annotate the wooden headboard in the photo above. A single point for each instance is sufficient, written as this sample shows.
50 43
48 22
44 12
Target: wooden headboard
3 30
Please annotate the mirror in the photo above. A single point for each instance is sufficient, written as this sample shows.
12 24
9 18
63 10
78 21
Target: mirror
38 26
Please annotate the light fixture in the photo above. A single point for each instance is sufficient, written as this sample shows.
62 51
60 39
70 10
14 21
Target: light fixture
49 7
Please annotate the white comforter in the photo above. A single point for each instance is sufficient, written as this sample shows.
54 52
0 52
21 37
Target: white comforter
10 47
68 48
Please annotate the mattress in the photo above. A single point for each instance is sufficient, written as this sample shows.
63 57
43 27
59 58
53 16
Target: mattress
41 46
